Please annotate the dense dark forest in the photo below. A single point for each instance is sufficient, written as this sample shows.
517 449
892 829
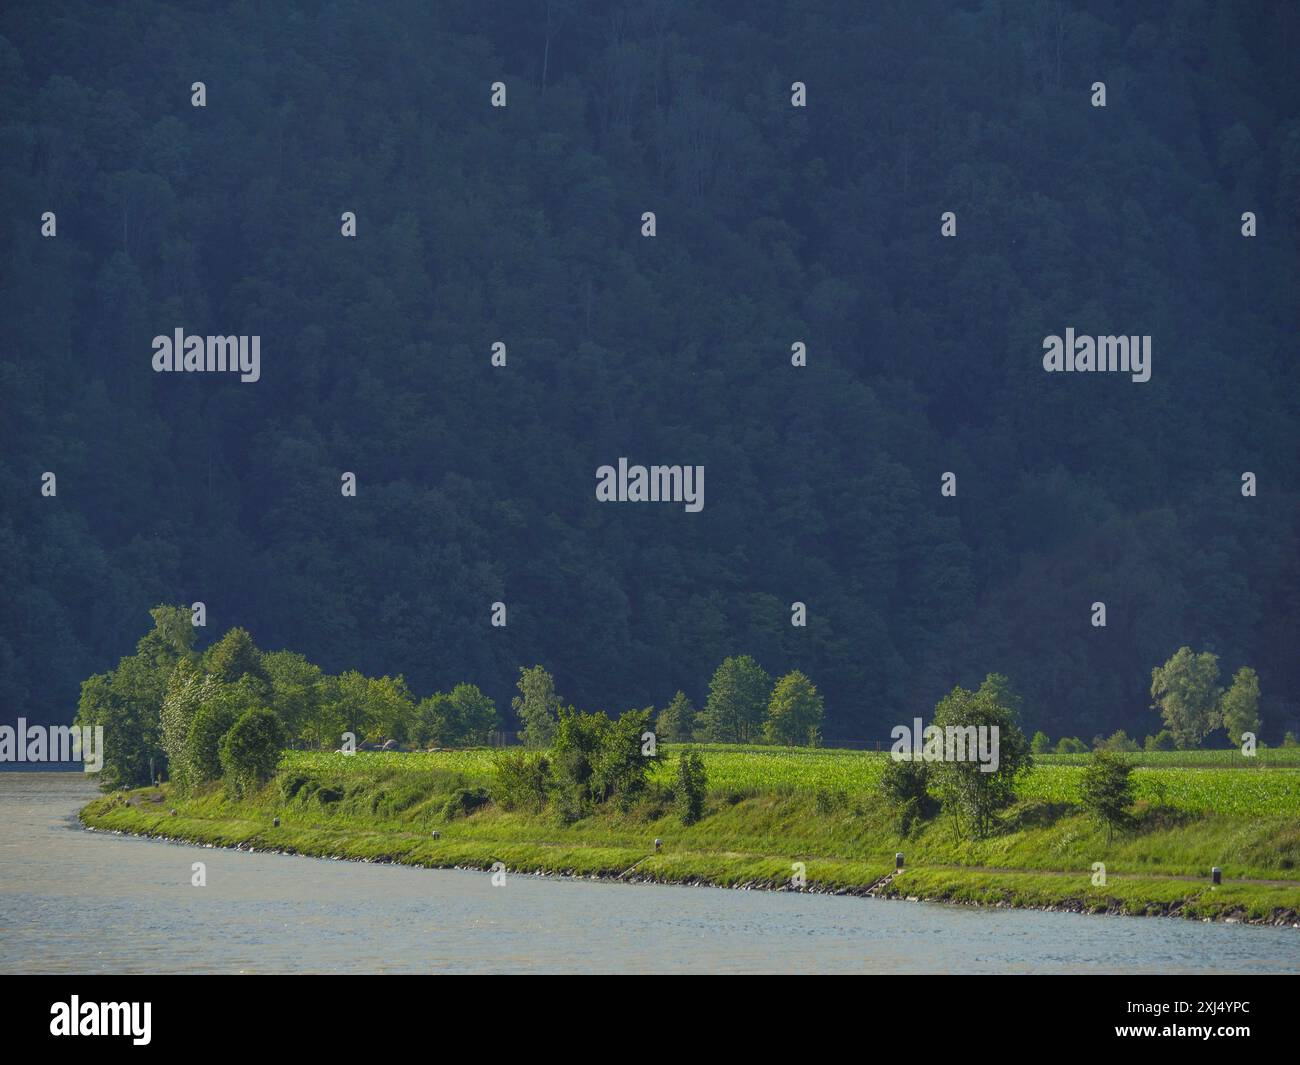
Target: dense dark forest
775 225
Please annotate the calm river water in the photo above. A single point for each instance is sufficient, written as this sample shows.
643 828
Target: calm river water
89 902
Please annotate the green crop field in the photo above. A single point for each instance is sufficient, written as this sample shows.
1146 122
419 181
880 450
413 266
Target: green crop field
1223 782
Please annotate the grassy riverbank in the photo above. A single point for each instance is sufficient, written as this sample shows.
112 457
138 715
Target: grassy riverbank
769 808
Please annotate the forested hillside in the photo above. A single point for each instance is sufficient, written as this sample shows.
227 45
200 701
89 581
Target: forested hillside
775 225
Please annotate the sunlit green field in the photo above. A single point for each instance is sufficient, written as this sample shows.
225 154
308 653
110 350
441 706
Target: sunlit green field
1224 782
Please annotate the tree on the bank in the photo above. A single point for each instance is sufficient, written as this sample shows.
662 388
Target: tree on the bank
1240 705
251 750
594 759
127 701
1040 744
795 712
676 721
1107 790
738 699
1186 692
187 692
202 757
462 717
537 706
970 795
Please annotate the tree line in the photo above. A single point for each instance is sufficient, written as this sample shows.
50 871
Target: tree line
169 707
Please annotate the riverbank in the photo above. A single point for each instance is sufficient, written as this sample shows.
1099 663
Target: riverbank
1042 857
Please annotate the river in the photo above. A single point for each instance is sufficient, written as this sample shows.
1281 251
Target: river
73 901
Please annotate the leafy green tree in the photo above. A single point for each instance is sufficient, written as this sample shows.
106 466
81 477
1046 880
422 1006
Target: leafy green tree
1186 692
676 721
235 656
795 712
738 699
298 691
250 750
1071 745
1107 790
127 702
188 690
537 706
130 740
691 787
968 792
1040 744
374 708
390 708
462 717
1240 705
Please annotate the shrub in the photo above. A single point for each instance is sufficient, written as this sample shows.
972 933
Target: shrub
596 759
1161 741
1116 741
522 780
692 785
1107 790
1071 745
1040 744
905 786
464 801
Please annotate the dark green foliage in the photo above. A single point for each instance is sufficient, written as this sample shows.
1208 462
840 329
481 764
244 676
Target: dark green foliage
250 751
775 223
1071 745
691 787
1107 790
